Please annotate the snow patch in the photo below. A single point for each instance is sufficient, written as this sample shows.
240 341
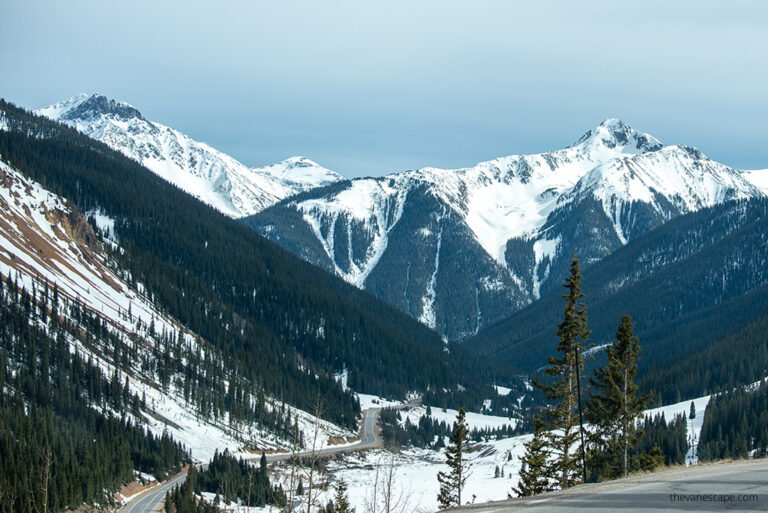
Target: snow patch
543 249
428 301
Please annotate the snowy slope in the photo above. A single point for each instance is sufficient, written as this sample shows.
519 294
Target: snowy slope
758 178
44 240
511 223
204 172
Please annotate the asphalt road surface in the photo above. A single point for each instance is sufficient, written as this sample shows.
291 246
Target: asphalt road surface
153 499
741 486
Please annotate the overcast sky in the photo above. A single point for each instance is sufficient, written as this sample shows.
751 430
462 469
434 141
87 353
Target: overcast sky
369 88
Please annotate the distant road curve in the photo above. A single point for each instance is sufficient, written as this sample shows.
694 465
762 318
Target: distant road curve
152 500
369 437
740 486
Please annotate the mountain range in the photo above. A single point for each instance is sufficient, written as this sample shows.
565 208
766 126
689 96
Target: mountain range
457 249
118 242
462 249
198 169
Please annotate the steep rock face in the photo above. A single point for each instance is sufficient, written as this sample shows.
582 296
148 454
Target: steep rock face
462 249
202 171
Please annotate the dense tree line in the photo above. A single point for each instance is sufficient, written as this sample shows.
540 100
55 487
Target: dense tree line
286 326
183 499
232 480
735 425
664 441
736 360
59 444
431 433
235 480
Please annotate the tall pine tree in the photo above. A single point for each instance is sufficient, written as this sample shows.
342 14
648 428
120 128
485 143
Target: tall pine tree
614 407
453 481
534 471
561 418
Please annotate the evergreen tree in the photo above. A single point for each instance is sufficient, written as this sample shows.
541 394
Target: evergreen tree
692 415
340 500
453 481
561 419
614 408
534 471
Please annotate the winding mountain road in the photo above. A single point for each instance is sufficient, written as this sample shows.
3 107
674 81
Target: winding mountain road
152 500
369 439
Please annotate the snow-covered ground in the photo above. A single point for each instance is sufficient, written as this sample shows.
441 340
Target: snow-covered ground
758 178
368 401
415 474
416 470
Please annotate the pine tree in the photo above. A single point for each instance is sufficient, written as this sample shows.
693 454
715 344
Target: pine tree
561 419
614 408
340 500
453 481
692 415
534 471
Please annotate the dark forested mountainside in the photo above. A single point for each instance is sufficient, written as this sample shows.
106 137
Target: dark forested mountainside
284 325
735 360
735 425
429 248
687 284
67 433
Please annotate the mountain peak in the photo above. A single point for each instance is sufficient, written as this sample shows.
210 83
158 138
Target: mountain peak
613 133
89 106
301 172
293 162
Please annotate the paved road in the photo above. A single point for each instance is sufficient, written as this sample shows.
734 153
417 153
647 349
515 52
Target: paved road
741 487
153 499
369 439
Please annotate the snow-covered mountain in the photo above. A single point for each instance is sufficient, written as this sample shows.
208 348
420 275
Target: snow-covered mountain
461 249
47 242
202 171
